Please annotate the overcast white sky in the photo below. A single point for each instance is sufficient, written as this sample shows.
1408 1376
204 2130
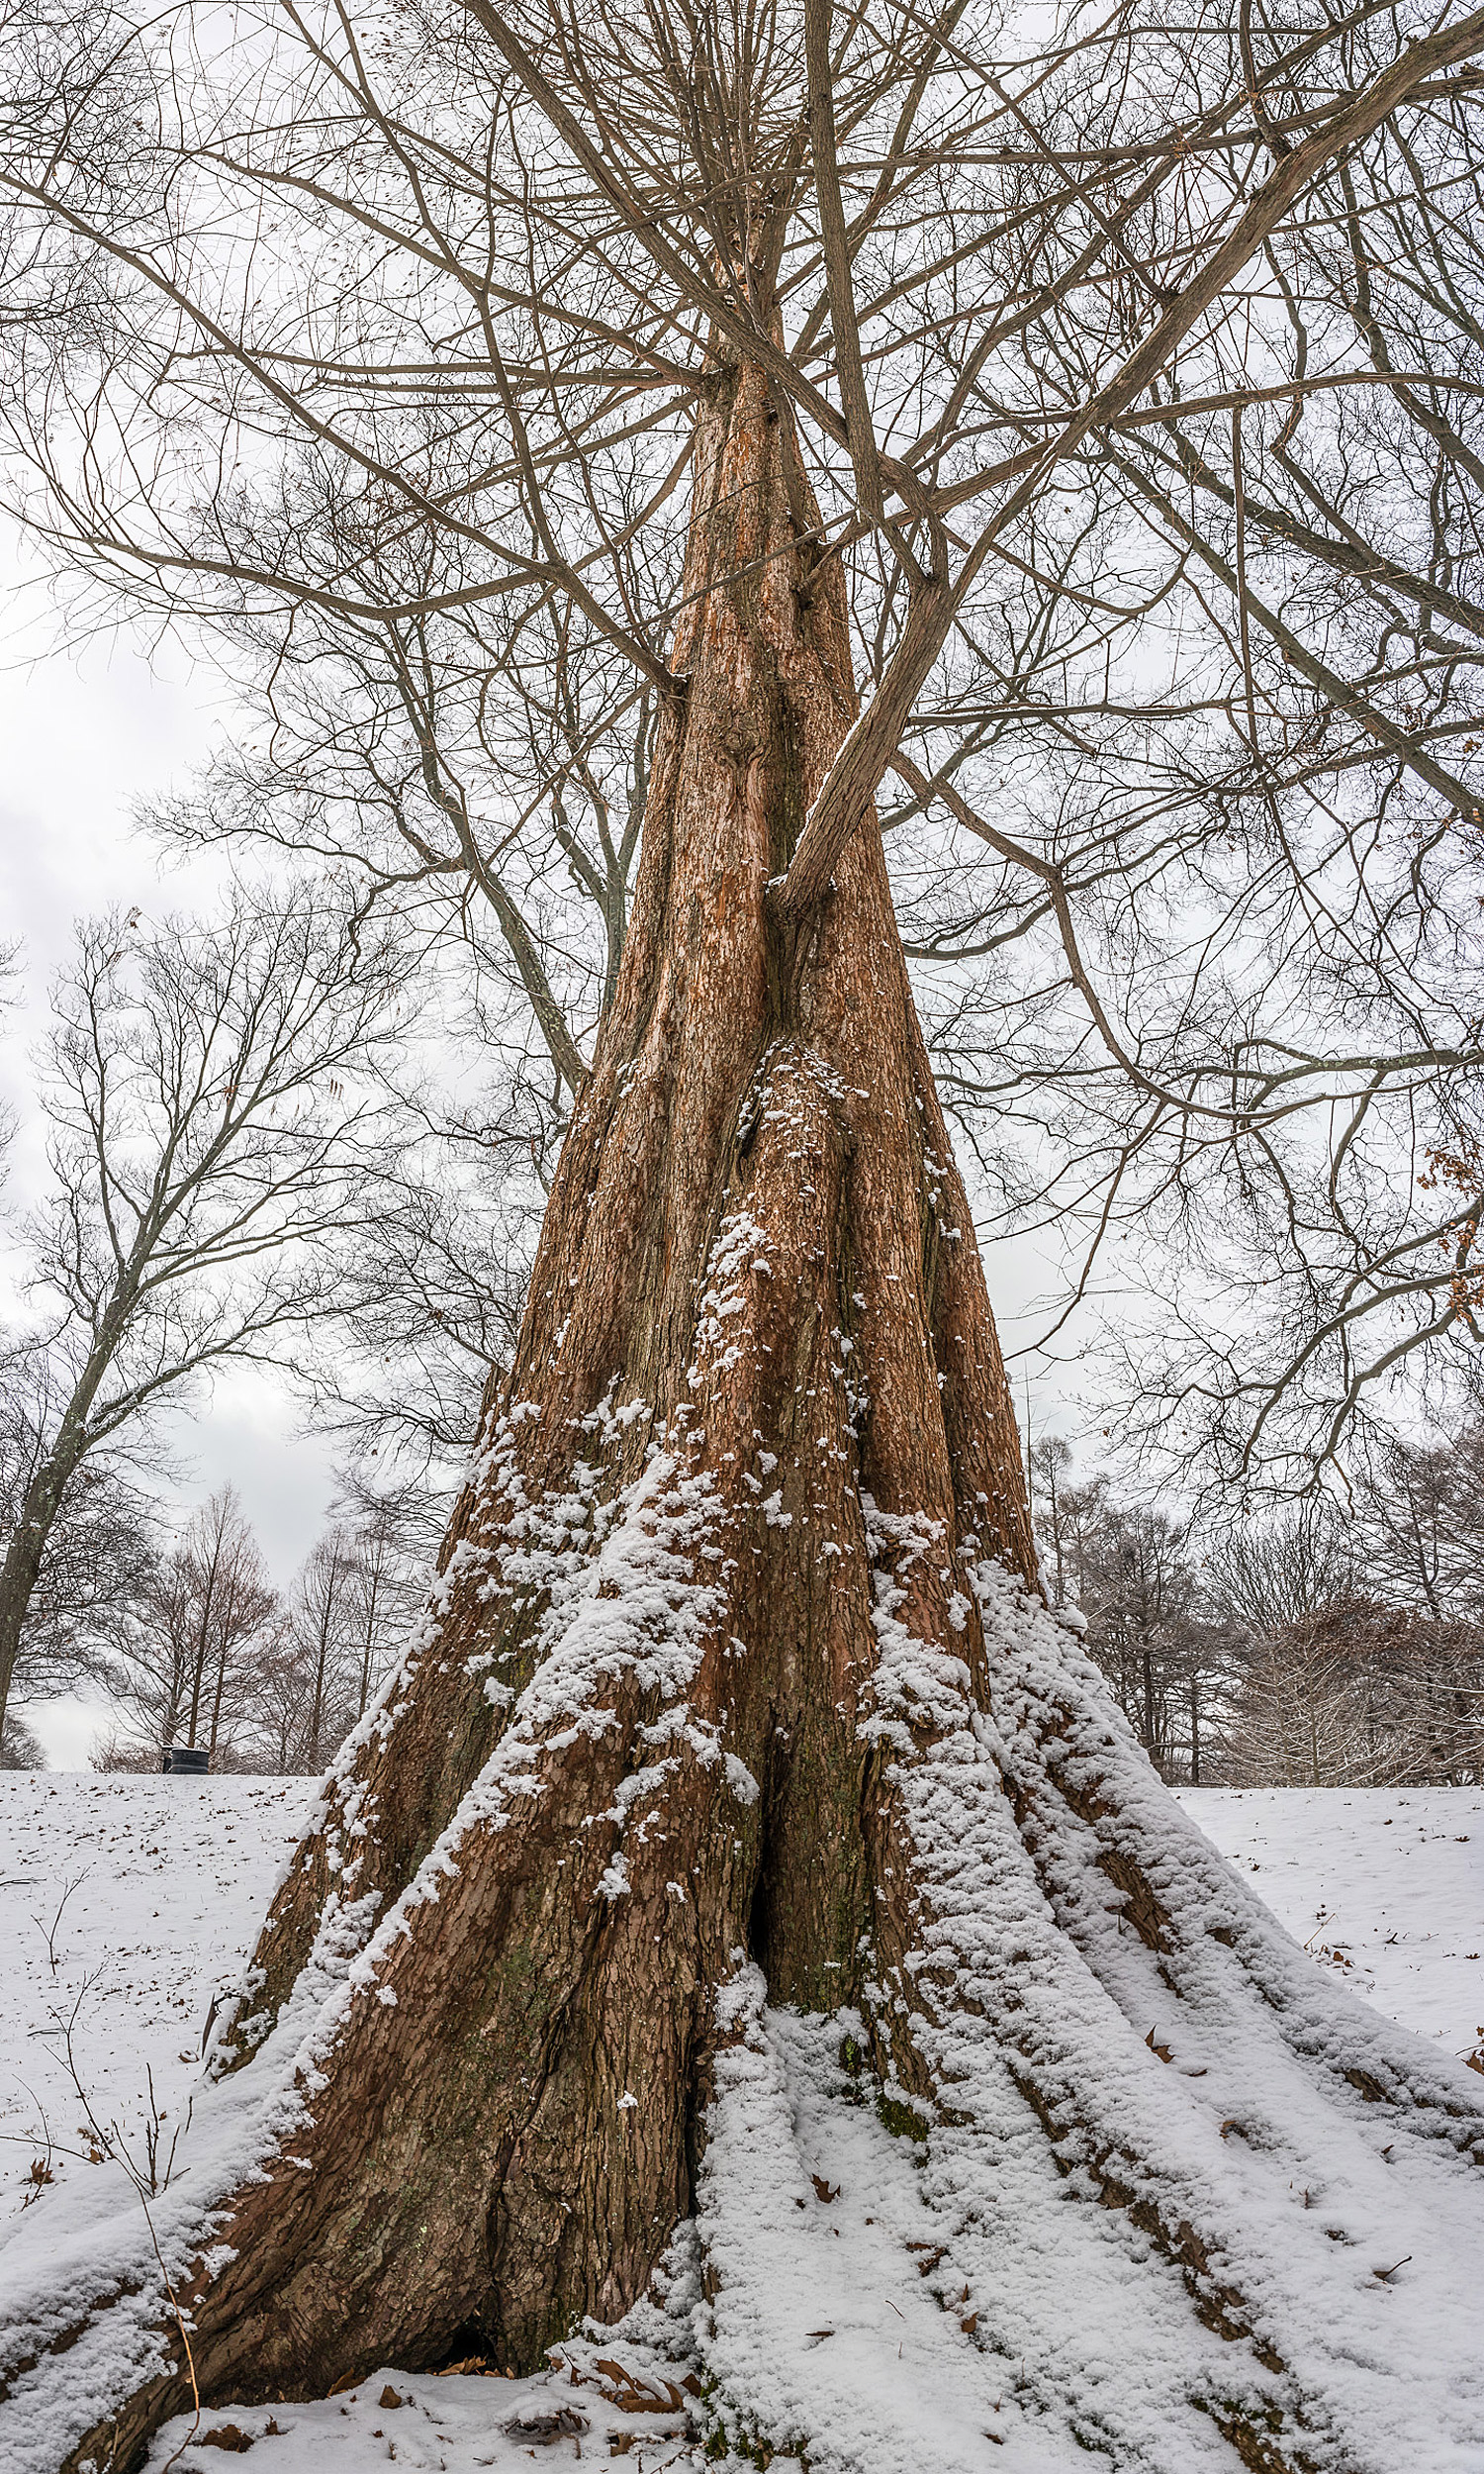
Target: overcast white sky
83 734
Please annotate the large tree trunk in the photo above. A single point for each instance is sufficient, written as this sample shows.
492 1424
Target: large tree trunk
734 1665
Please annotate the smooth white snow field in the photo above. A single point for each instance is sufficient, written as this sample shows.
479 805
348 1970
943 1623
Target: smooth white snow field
126 1901
1382 1886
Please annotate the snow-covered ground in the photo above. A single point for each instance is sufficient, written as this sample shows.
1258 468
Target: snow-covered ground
124 1901
1384 1885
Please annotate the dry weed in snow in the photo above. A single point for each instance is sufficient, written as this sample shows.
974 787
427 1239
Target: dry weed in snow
161 1885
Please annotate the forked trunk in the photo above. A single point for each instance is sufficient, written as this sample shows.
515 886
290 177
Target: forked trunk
733 1665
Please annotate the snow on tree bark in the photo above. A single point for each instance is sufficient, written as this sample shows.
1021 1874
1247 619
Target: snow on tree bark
730 1675
758 1344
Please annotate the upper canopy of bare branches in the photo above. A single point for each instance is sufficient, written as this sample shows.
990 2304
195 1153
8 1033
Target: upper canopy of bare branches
1138 373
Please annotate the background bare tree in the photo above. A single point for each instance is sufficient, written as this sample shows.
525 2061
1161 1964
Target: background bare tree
1329 1645
1361 1694
1362 1652
427 1316
212 1106
211 1654
1160 1636
100 1553
394 1535
20 1746
183 1671
321 1653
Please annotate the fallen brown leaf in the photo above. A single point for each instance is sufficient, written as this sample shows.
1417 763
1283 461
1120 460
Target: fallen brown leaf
635 2399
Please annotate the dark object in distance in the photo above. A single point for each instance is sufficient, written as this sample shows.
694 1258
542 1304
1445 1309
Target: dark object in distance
186 1760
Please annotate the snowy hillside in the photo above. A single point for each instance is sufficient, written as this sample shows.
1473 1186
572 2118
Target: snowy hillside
121 1902
1384 1885
125 1901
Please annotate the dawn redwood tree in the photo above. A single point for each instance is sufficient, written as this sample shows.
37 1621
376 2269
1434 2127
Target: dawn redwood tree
736 1681
720 1595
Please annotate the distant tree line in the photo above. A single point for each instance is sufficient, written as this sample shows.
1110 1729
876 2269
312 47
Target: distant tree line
1329 1645
193 1645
